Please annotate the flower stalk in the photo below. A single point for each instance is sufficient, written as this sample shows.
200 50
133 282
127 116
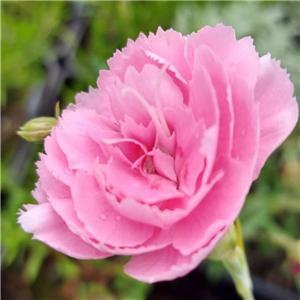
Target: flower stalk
232 254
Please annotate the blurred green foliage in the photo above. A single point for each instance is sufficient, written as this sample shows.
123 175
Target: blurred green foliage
28 32
273 26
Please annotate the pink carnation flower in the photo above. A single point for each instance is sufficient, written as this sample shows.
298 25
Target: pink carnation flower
157 161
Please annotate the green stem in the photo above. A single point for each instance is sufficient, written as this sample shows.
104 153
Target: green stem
236 265
230 251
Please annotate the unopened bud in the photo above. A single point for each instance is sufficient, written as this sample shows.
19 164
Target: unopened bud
36 130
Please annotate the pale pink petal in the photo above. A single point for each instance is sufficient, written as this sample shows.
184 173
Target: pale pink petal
244 60
157 216
38 193
209 152
160 61
277 107
146 188
65 209
90 100
159 239
170 46
165 142
80 149
131 148
131 55
49 228
167 263
239 55
219 78
246 121
100 219
218 209
105 129
139 132
127 101
189 161
164 164
165 48
152 82
56 161
139 92
51 185
156 265
203 100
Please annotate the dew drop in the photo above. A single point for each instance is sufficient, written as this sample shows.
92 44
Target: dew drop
237 157
243 132
118 218
103 217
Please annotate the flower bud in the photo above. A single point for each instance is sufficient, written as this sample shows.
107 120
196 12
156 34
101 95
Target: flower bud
37 129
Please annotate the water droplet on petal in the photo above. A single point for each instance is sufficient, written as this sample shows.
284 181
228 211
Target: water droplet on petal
237 157
103 217
243 132
118 218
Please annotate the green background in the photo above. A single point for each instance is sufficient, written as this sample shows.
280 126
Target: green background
29 33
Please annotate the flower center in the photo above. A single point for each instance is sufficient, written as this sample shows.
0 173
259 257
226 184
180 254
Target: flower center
148 165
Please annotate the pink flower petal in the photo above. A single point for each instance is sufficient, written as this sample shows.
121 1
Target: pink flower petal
131 55
65 209
246 122
219 78
189 161
131 148
154 215
57 161
100 219
147 188
203 101
277 107
51 186
164 164
168 45
218 209
90 100
139 132
239 55
80 149
159 239
38 193
50 229
167 263
136 97
126 102
148 80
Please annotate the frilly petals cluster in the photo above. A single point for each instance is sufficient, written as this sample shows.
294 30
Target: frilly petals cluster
156 162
